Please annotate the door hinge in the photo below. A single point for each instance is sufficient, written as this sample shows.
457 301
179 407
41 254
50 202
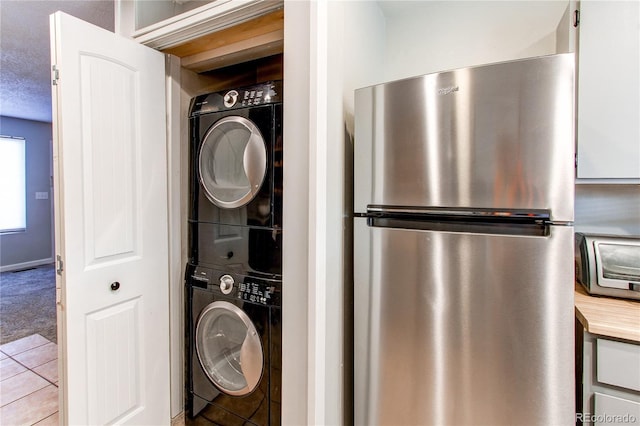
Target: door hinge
56 75
59 265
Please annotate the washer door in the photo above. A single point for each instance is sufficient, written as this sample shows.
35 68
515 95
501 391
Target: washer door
229 348
232 162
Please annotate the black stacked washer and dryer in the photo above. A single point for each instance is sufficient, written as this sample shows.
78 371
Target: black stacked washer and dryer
234 275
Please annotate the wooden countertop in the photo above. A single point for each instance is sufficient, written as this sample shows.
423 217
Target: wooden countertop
608 316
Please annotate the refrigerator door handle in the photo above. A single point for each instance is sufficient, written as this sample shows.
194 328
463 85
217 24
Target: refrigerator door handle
460 214
460 226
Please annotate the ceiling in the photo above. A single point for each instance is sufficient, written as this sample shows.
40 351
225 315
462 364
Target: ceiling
25 59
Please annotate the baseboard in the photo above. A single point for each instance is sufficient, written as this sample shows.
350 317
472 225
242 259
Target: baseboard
25 265
178 420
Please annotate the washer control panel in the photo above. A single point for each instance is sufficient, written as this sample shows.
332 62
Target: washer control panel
256 292
262 291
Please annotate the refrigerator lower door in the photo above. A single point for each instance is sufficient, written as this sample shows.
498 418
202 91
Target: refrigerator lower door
462 328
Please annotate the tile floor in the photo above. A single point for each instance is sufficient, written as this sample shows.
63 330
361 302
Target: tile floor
29 382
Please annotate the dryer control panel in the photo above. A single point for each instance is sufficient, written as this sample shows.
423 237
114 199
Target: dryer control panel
269 92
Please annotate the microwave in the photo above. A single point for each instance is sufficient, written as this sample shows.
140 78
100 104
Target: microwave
608 265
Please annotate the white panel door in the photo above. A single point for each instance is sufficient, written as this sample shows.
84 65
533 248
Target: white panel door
111 226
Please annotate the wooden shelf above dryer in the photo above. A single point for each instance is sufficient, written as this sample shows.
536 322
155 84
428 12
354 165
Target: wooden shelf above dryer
258 38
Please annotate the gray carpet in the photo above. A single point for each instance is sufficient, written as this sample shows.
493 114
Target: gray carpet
28 304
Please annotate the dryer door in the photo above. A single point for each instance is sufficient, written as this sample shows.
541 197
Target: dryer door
229 348
232 162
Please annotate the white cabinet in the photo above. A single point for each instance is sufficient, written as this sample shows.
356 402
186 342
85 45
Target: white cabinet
608 130
608 380
618 364
566 29
148 12
610 410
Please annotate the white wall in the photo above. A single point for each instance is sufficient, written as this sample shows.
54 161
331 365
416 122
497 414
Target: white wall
355 58
33 246
608 209
363 44
331 48
431 36
295 245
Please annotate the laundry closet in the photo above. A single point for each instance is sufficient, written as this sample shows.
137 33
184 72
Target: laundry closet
236 45
232 237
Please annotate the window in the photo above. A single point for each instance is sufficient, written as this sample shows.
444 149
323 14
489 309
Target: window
13 208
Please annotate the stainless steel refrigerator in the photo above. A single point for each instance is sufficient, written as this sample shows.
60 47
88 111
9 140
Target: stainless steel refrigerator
463 247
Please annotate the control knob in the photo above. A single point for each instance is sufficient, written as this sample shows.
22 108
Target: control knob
226 284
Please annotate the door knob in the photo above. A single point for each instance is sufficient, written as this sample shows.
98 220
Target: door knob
115 286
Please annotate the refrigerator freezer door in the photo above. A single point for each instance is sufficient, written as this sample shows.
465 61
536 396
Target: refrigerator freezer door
462 328
497 136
